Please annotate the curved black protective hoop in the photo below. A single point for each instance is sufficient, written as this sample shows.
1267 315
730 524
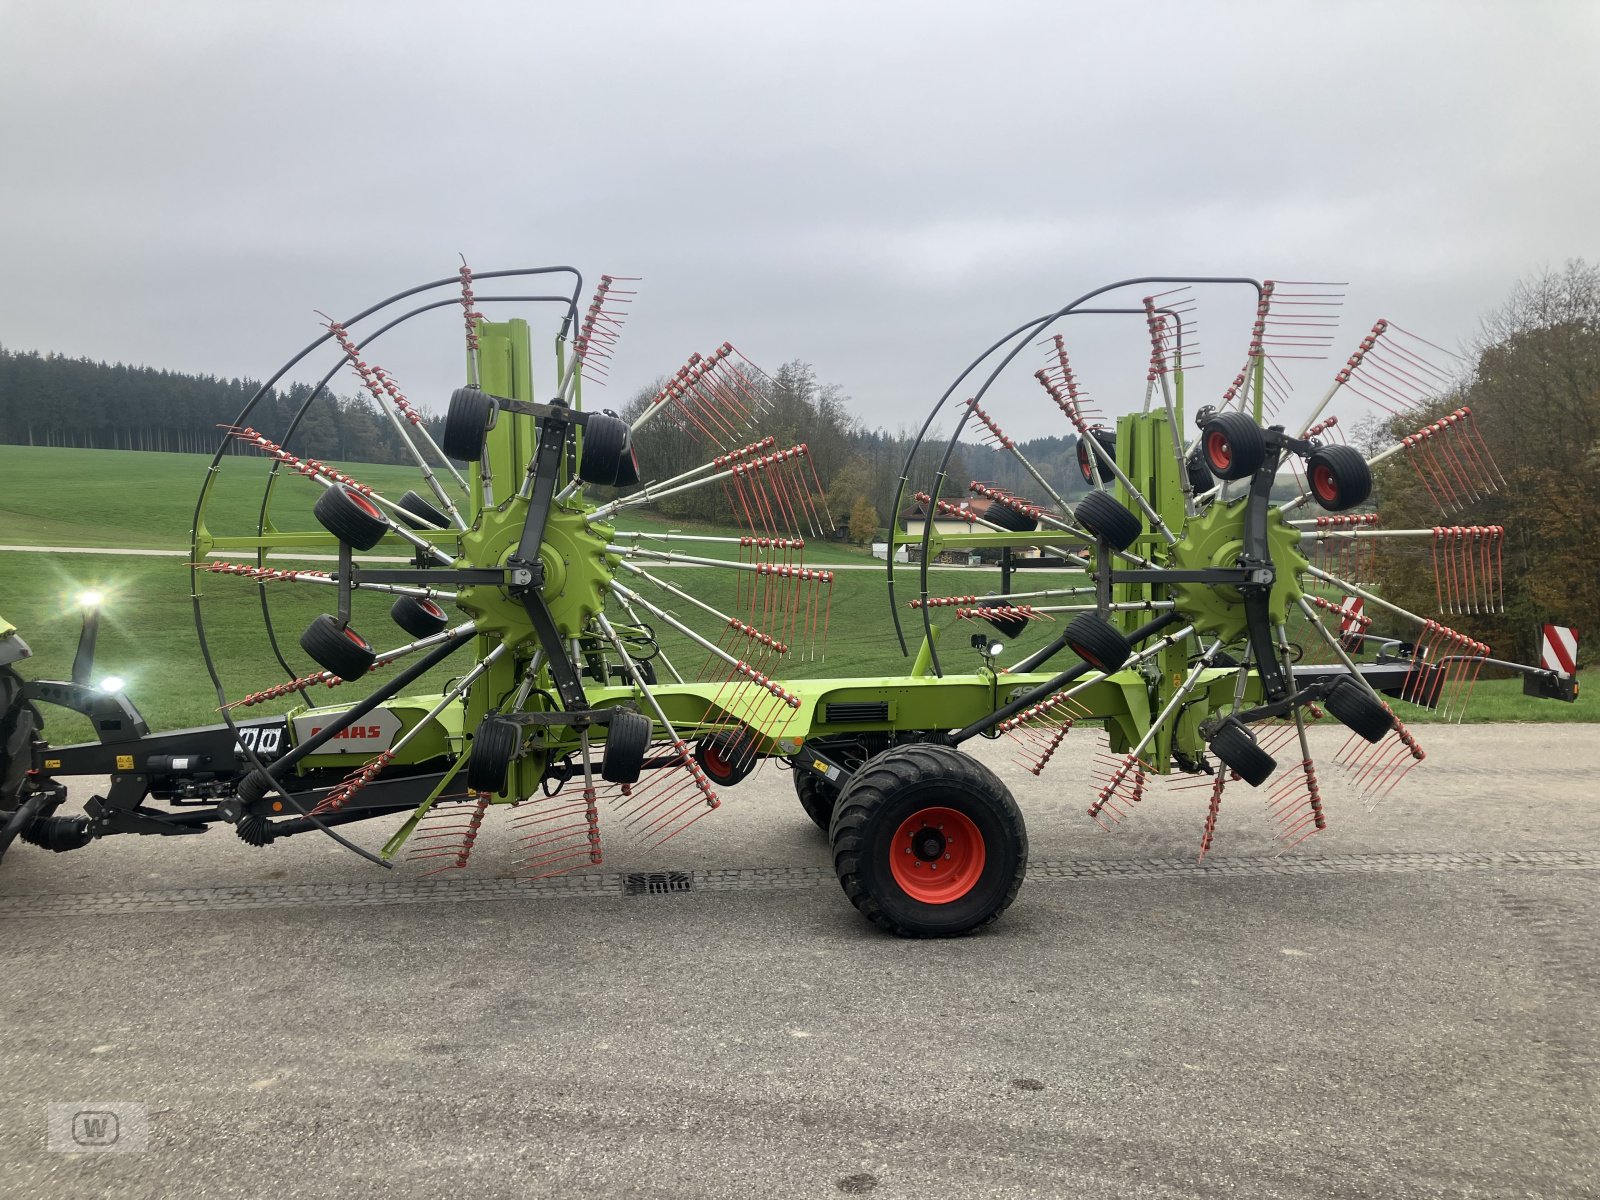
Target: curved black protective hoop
568 322
1021 335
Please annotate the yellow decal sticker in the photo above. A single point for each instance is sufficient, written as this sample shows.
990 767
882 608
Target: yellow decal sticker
124 762
52 764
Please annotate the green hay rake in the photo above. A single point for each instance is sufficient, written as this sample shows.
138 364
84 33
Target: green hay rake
592 679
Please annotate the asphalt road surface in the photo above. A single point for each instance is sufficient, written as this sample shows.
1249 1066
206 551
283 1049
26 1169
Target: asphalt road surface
1404 1006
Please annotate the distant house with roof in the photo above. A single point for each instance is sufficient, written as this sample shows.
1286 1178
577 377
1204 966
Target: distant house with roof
974 514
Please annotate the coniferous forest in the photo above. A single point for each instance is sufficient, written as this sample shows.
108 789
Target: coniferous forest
50 400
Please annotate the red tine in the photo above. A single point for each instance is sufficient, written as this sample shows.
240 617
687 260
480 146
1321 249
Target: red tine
469 314
1213 807
1124 787
304 466
463 837
353 783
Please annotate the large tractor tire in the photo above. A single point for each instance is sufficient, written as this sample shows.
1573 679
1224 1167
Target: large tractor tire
817 796
927 842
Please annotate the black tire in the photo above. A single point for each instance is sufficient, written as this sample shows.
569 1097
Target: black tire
1009 518
607 454
422 514
727 756
337 648
880 808
1357 711
817 796
1200 478
494 748
465 423
1235 747
1338 477
1098 642
628 468
1232 445
1011 627
627 740
418 617
350 517
19 721
1108 520
1089 464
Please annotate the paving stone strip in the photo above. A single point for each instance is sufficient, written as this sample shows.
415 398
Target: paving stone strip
749 879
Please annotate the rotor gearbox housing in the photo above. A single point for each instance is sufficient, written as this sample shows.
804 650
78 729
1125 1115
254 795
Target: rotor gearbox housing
1215 539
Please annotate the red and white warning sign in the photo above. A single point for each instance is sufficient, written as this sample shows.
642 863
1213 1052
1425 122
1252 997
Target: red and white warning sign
1351 621
1558 650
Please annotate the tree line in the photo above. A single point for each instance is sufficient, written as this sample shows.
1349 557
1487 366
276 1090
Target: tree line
1534 390
53 400
858 469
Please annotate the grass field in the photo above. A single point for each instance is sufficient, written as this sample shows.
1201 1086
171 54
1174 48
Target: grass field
92 498
123 498
54 496
147 634
62 497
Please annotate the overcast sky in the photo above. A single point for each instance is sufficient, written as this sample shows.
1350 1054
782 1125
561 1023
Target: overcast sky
878 189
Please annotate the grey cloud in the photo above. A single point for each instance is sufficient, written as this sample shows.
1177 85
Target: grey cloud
878 189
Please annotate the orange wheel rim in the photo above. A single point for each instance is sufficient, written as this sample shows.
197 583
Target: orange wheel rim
1218 451
937 855
715 761
1323 482
1087 657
